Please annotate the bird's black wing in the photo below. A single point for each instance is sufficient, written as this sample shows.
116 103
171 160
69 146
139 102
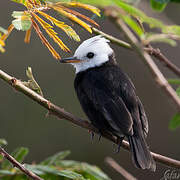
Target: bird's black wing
107 92
143 118
126 90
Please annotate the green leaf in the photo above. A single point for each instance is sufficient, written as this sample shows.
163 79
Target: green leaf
6 165
175 122
3 30
133 25
71 175
68 164
32 84
166 40
33 169
63 173
174 29
17 14
20 153
3 142
23 20
94 171
178 91
151 37
174 81
158 6
53 160
133 2
6 172
139 14
23 25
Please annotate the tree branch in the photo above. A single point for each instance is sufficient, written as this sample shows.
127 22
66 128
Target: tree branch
150 50
61 113
19 165
111 162
160 79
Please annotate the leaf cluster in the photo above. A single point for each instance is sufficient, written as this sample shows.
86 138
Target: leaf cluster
54 167
35 17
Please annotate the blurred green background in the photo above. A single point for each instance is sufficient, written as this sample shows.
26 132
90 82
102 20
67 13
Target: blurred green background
24 123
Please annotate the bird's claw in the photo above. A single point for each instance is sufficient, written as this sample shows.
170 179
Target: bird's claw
92 136
119 142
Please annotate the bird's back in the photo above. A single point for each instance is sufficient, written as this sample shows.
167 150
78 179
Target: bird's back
103 85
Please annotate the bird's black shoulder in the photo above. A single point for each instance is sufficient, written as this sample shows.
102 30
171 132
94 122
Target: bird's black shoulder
108 77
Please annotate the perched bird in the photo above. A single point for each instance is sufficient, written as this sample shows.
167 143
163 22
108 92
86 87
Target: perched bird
108 97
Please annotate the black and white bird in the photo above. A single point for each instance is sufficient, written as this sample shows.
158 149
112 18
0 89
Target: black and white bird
108 97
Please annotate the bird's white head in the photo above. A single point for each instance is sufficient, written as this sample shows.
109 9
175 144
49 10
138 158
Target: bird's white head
91 53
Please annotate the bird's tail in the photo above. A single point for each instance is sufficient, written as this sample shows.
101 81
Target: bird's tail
140 153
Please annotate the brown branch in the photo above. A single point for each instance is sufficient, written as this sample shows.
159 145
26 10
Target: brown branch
19 165
162 58
150 50
61 113
112 163
158 76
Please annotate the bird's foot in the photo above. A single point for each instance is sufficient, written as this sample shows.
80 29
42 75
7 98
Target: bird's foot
119 143
92 135
99 137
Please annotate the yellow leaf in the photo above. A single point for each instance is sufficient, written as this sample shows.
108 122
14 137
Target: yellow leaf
44 40
2 43
81 5
9 30
51 32
1 46
80 15
67 29
72 17
2 49
28 35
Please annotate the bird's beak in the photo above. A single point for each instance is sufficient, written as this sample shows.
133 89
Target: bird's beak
70 60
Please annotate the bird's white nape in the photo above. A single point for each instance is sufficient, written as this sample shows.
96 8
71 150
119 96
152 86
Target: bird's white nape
97 45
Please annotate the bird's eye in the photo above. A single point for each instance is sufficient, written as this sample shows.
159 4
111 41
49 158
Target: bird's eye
90 55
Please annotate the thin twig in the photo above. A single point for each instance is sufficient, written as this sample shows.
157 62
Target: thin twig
61 113
112 39
160 79
150 50
162 58
19 165
112 163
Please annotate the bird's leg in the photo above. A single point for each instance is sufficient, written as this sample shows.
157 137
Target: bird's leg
119 143
100 135
92 135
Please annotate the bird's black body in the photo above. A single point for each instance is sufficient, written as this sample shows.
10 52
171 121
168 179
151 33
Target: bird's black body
108 98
